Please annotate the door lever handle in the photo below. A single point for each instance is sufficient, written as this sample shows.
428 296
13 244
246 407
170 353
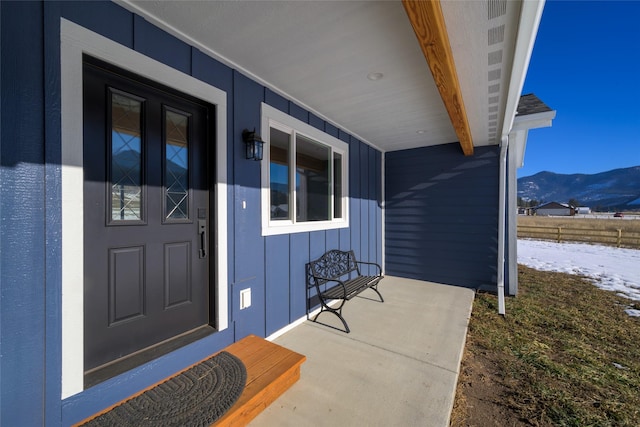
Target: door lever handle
202 231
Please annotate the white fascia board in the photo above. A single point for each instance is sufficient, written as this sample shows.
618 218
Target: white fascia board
520 131
528 24
518 145
533 121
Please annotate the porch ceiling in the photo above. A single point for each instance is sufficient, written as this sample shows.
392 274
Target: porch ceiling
321 53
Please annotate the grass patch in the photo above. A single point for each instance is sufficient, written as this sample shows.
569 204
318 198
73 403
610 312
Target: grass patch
565 354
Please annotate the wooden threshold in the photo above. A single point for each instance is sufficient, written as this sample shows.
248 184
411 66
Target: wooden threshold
271 370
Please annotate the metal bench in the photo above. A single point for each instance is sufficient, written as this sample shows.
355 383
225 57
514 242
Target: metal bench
336 275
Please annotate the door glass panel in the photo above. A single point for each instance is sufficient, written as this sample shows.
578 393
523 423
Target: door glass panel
126 158
312 180
176 165
279 174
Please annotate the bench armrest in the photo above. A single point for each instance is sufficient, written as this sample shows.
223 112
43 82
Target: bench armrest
327 280
372 263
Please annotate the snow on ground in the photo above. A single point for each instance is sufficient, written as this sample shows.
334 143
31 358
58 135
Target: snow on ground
612 269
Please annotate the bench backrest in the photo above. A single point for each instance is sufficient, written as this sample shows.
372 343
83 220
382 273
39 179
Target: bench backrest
332 265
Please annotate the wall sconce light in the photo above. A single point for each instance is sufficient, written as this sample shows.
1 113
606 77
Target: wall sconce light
253 144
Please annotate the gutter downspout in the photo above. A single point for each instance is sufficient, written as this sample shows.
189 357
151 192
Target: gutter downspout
501 222
528 24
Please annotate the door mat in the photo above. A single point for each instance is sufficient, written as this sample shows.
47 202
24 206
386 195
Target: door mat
196 397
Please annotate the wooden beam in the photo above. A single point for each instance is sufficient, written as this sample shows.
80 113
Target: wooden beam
428 23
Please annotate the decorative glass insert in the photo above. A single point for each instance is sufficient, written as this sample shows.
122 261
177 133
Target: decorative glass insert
313 190
126 157
176 165
279 174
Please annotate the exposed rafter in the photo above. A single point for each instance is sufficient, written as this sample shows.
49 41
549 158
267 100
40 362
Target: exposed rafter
428 23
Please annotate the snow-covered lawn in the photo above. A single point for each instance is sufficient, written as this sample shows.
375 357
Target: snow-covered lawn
612 269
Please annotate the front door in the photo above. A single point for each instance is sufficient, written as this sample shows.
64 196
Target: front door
146 214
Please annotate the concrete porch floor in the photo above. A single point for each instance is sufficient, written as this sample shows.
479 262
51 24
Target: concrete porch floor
398 366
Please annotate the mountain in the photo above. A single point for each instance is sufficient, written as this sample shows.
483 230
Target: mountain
617 189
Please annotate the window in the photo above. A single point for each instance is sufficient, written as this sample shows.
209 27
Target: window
303 176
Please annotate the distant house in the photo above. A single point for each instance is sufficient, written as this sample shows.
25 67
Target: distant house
555 209
583 210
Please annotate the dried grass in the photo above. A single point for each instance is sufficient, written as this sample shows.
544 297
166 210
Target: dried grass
567 353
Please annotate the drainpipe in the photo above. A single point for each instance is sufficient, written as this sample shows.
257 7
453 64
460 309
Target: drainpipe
501 221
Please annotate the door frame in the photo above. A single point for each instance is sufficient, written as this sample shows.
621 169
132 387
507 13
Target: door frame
74 42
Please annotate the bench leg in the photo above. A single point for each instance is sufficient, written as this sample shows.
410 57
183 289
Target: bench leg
375 288
337 312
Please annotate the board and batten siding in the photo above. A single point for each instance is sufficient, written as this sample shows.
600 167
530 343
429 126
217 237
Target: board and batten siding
441 215
31 227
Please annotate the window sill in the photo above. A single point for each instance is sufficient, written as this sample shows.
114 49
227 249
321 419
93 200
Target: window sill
288 228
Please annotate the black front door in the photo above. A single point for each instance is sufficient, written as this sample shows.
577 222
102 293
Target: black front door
146 214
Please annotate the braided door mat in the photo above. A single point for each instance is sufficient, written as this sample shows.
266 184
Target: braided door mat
197 397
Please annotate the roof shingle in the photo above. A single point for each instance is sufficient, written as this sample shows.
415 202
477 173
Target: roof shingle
531 104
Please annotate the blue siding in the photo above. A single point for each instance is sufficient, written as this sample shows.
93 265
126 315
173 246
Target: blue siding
298 112
316 122
277 274
276 101
317 244
102 17
30 238
345 239
333 239
511 287
53 209
22 226
332 130
161 46
378 208
214 73
364 203
372 209
249 248
299 255
441 215
355 196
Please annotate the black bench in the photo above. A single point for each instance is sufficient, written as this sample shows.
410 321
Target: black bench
336 276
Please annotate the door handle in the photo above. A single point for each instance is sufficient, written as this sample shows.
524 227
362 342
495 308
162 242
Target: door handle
202 231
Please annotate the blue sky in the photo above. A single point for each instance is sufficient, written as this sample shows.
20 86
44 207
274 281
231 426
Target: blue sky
586 66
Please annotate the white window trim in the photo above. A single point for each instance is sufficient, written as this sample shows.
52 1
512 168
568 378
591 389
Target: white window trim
272 117
74 41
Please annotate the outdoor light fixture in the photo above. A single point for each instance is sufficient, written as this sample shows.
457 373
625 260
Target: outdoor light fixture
253 144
